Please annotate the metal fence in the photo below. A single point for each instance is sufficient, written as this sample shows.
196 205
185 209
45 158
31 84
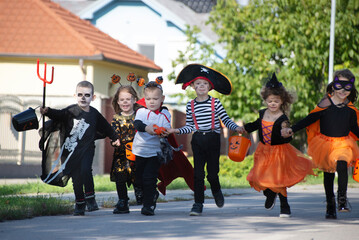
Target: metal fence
17 147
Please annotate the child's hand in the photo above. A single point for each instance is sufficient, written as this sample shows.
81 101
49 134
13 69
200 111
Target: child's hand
150 129
43 111
240 130
116 143
172 130
164 134
286 132
159 130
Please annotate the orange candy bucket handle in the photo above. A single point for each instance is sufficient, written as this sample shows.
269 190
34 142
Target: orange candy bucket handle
238 148
356 171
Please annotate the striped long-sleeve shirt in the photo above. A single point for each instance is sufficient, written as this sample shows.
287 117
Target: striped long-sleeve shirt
203 113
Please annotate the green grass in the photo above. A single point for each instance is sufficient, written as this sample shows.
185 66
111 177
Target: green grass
13 205
232 175
19 207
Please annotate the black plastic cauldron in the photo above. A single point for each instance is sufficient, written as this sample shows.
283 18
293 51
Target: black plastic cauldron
25 120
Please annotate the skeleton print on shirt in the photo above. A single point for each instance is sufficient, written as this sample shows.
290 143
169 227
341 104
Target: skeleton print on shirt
77 132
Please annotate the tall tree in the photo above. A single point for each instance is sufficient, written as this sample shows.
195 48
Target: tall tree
289 37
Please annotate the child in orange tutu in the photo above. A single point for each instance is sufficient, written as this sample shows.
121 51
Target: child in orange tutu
277 164
332 129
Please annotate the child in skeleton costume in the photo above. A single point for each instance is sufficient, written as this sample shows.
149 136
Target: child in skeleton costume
123 169
202 118
277 164
332 129
146 144
81 125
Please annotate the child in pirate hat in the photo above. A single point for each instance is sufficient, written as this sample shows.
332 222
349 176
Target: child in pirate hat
203 116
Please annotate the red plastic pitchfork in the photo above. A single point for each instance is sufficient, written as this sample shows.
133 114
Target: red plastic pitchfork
43 100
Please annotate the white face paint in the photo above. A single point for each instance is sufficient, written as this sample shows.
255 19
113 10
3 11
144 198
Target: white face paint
84 97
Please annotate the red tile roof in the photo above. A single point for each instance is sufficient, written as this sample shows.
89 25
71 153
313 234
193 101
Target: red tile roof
41 27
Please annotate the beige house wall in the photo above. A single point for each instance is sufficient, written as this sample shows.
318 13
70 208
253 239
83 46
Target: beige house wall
18 79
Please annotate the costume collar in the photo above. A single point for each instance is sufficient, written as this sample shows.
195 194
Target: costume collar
157 111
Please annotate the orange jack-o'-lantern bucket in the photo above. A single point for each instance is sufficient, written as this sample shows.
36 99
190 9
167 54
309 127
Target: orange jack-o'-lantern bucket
129 155
238 148
356 171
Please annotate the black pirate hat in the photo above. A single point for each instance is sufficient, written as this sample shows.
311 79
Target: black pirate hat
217 80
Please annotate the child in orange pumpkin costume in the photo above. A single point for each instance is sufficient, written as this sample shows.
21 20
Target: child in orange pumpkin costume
277 164
123 169
332 129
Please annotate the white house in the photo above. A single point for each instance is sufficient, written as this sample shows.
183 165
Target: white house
154 28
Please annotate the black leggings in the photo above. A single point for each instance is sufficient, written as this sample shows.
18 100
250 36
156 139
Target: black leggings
121 190
342 170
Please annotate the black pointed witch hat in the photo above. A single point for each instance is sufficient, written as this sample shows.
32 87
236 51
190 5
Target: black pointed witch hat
217 80
273 82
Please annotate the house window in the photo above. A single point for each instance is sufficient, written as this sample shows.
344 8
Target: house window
147 50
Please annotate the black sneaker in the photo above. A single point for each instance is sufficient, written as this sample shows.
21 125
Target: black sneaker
148 211
91 203
121 207
157 194
343 202
285 211
139 196
196 210
80 209
331 212
271 197
218 198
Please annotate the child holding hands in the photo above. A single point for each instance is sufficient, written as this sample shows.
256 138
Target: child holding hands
277 164
202 118
332 129
146 144
123 169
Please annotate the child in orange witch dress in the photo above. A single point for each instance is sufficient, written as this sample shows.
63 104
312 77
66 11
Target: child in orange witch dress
332 129
277 164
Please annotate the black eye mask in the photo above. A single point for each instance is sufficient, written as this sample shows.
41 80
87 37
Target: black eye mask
346 85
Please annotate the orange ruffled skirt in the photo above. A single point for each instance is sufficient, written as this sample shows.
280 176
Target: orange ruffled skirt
277 167
326 151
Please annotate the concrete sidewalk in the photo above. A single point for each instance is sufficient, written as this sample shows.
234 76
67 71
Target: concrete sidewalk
242 217
101 197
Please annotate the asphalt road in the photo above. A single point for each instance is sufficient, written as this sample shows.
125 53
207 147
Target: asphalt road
242 217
